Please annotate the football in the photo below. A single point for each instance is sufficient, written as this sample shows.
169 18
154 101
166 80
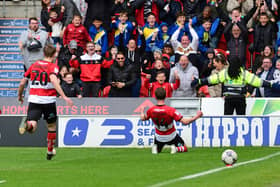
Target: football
229 157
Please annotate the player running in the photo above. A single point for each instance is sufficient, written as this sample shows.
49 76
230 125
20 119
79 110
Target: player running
42 96
165 132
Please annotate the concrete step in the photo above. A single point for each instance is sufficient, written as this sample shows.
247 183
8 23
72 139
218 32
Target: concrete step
19 9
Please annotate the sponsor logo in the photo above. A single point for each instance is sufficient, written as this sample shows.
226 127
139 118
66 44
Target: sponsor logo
233 131
76 132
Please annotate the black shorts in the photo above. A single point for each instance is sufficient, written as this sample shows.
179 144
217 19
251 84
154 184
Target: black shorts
35 111
177 141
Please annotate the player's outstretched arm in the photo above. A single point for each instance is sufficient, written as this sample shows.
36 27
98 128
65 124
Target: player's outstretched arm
187 121
142 114
20 89
54 81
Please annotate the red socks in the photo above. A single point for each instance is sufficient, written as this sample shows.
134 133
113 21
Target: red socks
29 126
182 149
51 140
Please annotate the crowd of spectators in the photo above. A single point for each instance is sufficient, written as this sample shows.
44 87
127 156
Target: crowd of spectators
128 48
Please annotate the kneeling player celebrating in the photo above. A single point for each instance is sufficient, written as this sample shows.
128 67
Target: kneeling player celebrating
42 98
165 132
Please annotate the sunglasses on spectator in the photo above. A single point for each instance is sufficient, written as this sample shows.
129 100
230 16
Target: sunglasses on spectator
97 50
120 58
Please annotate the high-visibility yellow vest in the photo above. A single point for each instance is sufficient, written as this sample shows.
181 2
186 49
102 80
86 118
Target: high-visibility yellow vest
235 86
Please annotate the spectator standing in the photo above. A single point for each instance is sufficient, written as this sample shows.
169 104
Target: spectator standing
90 65
267 74
186 46
264 34
68 15
32 42
76 31
160 82
153 38
236 36
144 8
122 27
157 66
121 77
169 12
186 72
69 52
134 57
193 7
56 23
98 34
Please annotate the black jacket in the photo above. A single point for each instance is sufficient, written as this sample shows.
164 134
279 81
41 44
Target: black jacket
121 74
269 33
71 90
237 46
99 9
65 55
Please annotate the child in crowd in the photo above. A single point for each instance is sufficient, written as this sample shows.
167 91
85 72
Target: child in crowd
123 29
160 82
157 66
164 32
153 37
76 31
62 71
55 22
70 88
99 34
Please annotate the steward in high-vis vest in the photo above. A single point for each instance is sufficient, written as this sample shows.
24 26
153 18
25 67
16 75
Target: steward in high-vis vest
234 81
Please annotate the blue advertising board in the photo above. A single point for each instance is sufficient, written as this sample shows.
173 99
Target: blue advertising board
132 132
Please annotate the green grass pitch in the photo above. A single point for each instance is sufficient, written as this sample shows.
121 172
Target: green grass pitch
95 167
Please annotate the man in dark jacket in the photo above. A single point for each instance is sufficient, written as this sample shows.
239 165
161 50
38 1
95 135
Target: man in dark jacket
70 52
121 77
268 75
236 36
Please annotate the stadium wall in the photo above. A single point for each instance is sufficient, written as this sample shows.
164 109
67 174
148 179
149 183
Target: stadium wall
114 122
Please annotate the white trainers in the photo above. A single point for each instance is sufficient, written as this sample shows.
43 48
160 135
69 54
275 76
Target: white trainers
22 125
173 149
154 149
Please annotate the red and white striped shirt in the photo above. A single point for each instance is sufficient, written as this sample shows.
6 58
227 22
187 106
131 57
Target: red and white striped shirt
42 90
163 116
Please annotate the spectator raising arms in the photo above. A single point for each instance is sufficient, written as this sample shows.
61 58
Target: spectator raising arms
99 34
76 31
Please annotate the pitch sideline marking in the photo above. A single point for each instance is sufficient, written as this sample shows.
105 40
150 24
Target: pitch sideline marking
187 177
2 181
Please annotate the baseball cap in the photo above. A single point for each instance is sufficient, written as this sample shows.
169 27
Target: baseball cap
73 44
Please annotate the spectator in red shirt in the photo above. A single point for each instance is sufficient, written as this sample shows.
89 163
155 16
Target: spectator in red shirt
76 31
169 87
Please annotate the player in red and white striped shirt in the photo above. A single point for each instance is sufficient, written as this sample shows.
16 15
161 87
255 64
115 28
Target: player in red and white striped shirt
44 86
165 132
